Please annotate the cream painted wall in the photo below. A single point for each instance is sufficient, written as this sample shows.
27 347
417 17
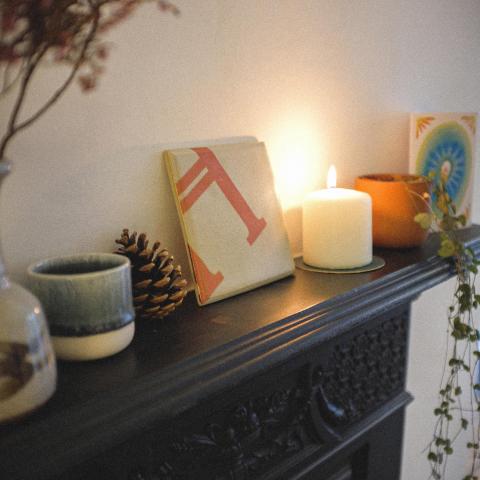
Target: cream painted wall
320 81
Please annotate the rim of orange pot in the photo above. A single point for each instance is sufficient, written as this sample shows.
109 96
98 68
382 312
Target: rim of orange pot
394 178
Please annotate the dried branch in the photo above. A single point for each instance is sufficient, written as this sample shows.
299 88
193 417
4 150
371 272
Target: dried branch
57 94
67 32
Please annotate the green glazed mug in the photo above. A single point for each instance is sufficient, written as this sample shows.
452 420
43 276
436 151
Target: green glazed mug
87 300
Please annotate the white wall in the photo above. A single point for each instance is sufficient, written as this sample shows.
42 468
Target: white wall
319 81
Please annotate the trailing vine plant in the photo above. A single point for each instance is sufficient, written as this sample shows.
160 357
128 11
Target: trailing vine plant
456 411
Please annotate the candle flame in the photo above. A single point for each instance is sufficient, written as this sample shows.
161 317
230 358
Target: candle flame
331 177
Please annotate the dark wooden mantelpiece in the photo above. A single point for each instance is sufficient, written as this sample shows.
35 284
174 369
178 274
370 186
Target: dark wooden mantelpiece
301 379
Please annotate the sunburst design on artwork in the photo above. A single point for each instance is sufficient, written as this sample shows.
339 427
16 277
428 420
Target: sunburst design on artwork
447 152
471 121
423 123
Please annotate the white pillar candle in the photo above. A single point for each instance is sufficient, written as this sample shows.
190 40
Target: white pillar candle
337 228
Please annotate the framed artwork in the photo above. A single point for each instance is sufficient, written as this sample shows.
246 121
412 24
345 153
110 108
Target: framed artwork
231 218
445 144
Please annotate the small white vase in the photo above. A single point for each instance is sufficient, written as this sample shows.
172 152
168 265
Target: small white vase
28 370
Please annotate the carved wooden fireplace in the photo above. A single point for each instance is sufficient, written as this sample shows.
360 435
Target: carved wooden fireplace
301 379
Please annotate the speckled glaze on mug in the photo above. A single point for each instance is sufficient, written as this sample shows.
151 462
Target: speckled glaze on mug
88 303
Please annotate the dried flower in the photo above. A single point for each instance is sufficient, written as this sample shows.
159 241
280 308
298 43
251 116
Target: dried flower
87 82
66 32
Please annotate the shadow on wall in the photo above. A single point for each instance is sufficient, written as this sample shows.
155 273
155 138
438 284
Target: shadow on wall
127 188
294 225
144 202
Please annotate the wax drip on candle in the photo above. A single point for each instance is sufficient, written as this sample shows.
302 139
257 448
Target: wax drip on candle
332 177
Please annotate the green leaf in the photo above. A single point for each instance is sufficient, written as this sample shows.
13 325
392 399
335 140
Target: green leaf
464 423
447 248
432 456
473 269
448 450
458 391
424 220
457 334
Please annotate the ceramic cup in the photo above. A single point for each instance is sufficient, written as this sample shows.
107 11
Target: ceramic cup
88 303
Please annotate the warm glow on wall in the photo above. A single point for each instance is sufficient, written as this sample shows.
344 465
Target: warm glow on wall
298 159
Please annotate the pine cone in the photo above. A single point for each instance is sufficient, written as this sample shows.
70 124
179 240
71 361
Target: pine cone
158 286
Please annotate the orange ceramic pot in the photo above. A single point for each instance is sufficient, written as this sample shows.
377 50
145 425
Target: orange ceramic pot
396 199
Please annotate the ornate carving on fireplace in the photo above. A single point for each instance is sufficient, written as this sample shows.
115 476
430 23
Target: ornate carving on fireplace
246 442
362 372
350 379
